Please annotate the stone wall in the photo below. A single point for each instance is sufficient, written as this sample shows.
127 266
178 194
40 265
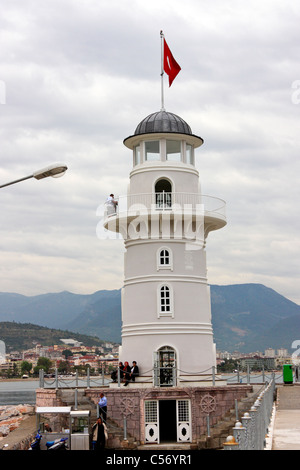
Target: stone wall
129 403
47 397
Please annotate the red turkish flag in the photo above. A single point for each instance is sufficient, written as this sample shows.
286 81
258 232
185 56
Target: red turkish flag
171 67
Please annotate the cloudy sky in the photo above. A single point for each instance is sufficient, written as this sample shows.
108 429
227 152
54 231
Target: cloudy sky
75 80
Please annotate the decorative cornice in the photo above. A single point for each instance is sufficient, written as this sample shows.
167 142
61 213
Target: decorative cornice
166 277
164 328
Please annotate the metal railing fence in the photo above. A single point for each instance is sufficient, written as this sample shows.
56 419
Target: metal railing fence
250 432
154 377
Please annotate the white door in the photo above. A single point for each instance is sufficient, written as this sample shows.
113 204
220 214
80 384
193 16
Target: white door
184 431
151 421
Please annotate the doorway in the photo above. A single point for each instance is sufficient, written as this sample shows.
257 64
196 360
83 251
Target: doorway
165 367
167 421
163 194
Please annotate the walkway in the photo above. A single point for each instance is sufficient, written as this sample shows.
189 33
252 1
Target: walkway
286 431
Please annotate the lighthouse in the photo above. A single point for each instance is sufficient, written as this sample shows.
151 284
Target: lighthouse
165 220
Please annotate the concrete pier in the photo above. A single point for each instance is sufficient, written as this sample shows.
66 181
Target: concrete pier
286 432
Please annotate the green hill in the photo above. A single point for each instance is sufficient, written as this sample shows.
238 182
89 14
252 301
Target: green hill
21 336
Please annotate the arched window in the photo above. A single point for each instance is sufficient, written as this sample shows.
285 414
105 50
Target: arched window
165 301
165 365
164 258
165 306
163 194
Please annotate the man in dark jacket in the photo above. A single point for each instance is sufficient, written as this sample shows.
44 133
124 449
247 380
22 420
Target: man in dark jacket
133 373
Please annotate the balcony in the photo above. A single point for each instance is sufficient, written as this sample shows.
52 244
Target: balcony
167 204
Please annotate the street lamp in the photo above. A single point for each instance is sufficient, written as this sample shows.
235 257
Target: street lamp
55 171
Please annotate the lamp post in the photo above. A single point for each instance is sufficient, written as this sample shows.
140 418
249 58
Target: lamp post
54 170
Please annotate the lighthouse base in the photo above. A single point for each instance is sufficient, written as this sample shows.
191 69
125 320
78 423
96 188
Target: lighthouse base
174 416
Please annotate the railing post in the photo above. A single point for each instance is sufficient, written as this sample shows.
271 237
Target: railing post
174 376
208 425
41 378
76 378
261 429
56 378
213 376
119 377
76 399
239 433
88 378
254 424
231 444
236 409
125 429
246 423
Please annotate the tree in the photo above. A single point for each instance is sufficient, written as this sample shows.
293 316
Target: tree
67 353
229 365
64 367
44 363
26 367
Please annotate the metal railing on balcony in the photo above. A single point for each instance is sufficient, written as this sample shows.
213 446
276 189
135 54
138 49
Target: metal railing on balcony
167 201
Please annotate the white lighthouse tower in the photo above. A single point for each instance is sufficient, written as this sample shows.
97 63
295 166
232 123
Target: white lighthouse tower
165 220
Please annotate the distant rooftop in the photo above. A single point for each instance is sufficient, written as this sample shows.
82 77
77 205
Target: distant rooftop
71 341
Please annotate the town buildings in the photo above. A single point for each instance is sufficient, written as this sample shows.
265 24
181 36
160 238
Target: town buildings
98 358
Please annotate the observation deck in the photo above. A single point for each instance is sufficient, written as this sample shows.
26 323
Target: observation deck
188 207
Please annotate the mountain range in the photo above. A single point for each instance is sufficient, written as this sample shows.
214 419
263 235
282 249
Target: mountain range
245 317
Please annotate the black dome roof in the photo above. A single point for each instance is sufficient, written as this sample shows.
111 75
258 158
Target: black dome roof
163 121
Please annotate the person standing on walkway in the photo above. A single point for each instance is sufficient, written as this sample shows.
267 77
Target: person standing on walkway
99 431
103 407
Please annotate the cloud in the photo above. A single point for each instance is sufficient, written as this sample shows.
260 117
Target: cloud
78 80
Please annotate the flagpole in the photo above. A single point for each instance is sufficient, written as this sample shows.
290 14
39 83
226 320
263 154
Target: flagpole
162 71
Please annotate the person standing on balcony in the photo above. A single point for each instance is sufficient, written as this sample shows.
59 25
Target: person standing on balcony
111 204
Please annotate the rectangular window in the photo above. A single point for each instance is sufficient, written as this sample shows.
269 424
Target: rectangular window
151 411
189 154
137 155
165 306
152 152
174 150
183 410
